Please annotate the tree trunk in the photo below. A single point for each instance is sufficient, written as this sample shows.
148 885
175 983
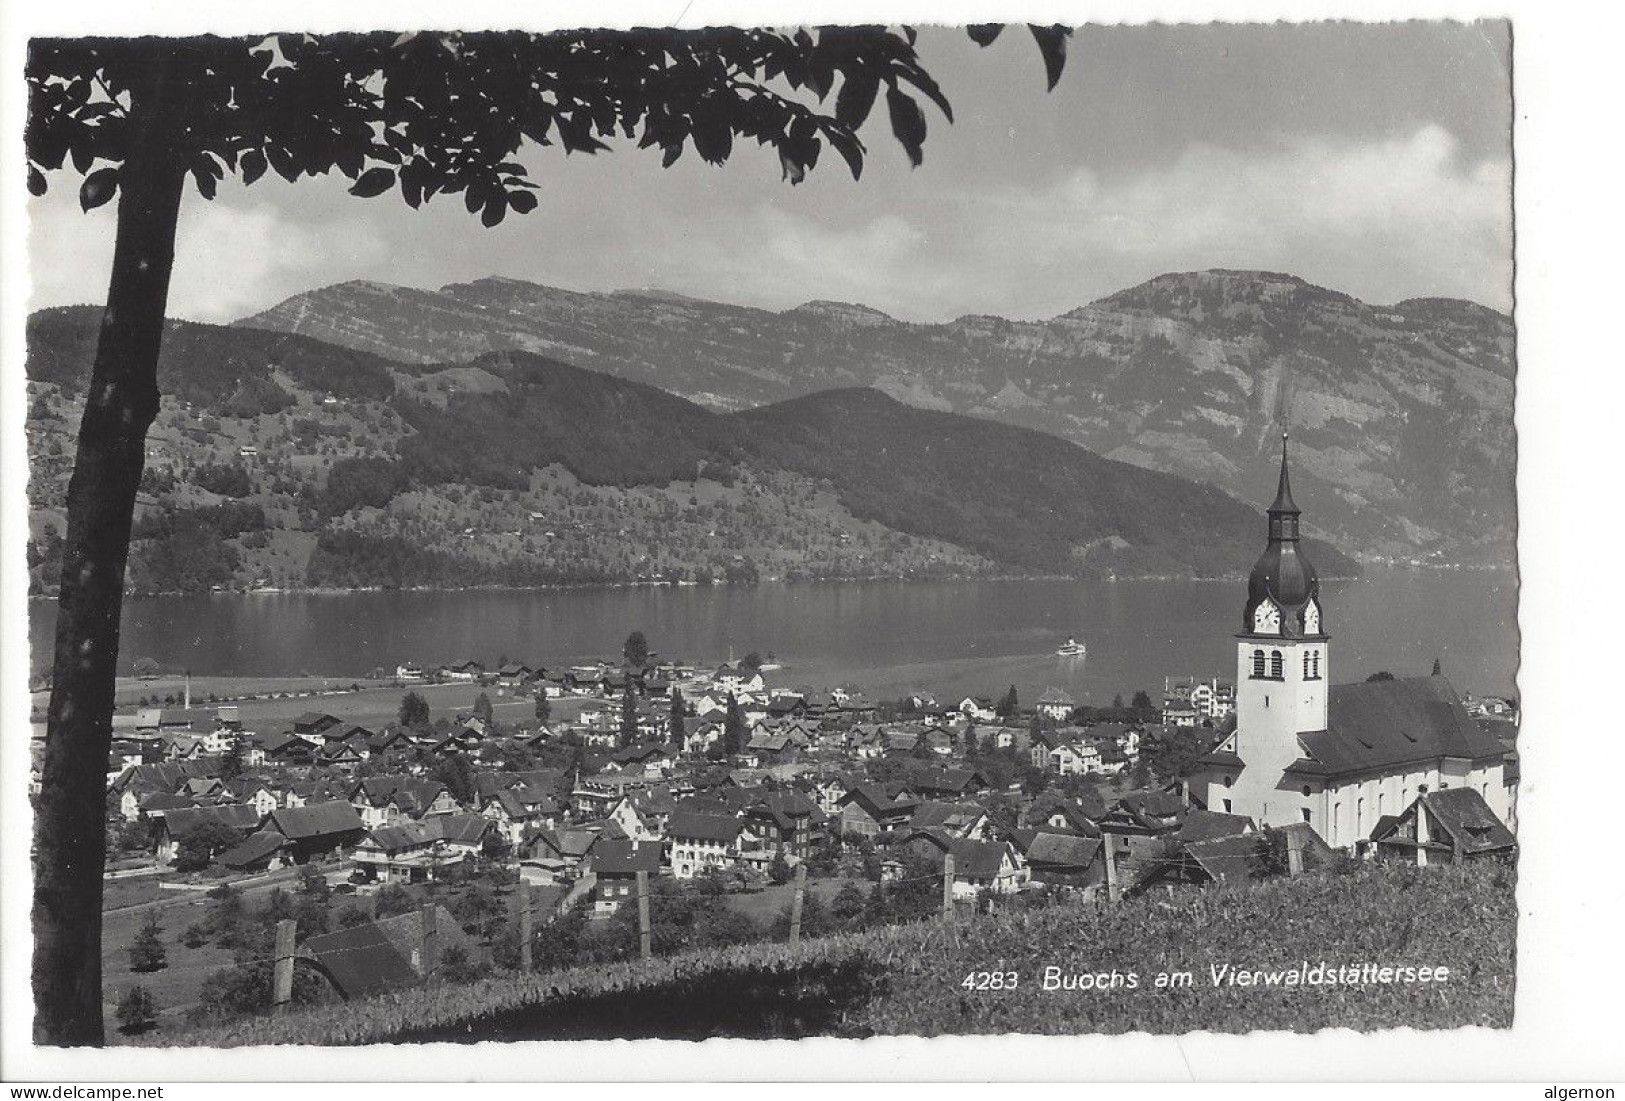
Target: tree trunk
122 399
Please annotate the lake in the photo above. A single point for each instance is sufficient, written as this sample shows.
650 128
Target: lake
950 638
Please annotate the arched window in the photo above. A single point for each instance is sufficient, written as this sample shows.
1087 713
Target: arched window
1258 663
1277 665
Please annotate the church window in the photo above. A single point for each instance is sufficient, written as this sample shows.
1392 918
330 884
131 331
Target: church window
1227 806
1229 781
1258 663
1306 814
1277 665
1306 790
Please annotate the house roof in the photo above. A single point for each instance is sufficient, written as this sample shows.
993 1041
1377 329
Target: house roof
380 955
1379 724
1463 814
1056 850
316 820
704 827
626 857
256 846
1242 856
239 816
570 844
1205 825
468 829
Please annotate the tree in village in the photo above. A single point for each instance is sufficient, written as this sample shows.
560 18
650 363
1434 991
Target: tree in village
231 761
1438 667
414 711
1009 705
629 716
544 707
679 719
973 746
636 651
147 949
734 734
197 846
483 710
427 114
1142 701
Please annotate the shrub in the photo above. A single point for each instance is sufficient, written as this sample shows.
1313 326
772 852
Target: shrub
137 1012
147 950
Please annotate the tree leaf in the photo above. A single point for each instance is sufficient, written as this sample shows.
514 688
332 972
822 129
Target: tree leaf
523 202
495 210
713 139
36 181
672 152
98 187
850 148
205 183
253 165
983 34
1052 44
374 181
907 123
856 99
792 171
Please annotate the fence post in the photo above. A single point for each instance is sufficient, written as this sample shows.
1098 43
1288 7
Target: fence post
1111 869
947 885
1294 853
524 927
644 946
282 970
430 952
795 905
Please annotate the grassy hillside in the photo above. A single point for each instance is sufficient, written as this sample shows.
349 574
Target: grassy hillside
906 980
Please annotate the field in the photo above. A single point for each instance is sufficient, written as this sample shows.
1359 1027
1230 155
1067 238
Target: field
907 980
766 905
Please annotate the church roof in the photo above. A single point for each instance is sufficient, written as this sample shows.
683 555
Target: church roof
1380 724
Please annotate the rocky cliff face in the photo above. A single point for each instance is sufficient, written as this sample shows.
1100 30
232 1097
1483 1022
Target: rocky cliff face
1401 415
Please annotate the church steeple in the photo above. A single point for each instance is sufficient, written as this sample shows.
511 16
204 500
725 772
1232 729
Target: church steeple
1283 583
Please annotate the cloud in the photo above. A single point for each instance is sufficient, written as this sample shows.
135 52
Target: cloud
1382 220
232 256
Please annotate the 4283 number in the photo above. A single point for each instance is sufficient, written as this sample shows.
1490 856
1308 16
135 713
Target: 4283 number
991 980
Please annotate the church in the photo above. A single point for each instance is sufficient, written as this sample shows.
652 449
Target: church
1339 757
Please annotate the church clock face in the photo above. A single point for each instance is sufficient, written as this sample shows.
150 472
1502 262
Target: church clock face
1267 618
1311 619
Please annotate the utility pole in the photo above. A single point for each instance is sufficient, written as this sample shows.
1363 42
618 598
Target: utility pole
795 905
524 927
430 954
947 886
645 947
282 969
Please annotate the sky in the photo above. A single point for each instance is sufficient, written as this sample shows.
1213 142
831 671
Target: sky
1372 159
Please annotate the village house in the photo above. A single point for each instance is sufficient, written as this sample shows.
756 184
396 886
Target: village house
703 841
559 854
616 865
317 830
1056 705
867 811
1444 827
995 866
172 826
418 852
787 822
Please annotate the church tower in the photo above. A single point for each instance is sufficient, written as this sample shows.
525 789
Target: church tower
1282 667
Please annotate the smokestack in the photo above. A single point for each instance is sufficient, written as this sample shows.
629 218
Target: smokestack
188 703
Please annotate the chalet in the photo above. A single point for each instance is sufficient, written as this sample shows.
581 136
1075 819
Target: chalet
389 800
315 724
643 758
515 818
264 850
1235 857
1067 858
961 820
1137 824
994 866
1444 827
289 751
867 811
559 853
516 675
172 827
417 852
1053 812
629 823
411 672
946 783
463 670
977 709
616 865
703 841
827 793
317 829
787 821
376 956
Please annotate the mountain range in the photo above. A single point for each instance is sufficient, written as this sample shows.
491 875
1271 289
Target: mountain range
284 460
1400 415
